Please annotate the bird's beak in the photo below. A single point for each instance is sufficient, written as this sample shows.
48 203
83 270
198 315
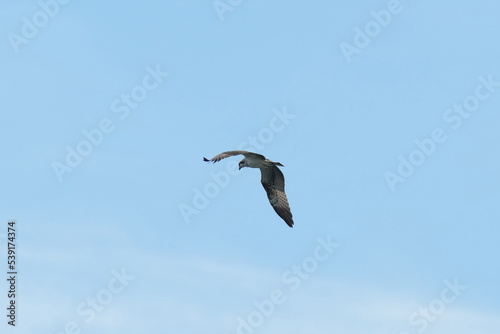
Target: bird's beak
239 167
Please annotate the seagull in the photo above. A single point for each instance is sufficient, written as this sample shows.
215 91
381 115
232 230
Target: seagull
272 179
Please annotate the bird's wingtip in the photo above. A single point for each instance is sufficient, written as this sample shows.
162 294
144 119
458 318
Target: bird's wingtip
205 159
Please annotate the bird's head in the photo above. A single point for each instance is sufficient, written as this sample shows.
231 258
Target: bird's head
243 163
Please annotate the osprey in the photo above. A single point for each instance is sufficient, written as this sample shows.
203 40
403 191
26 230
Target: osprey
271 177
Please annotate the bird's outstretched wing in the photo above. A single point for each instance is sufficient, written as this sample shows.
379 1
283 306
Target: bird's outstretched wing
274 184
228 154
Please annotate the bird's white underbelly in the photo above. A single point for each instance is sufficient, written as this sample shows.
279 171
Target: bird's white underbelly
254 163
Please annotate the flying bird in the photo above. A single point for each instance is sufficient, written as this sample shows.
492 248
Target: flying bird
272 180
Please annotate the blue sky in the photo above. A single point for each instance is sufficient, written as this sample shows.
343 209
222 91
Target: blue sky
385 114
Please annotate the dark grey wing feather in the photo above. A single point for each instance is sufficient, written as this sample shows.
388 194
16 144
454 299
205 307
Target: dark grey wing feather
274 184
228 154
